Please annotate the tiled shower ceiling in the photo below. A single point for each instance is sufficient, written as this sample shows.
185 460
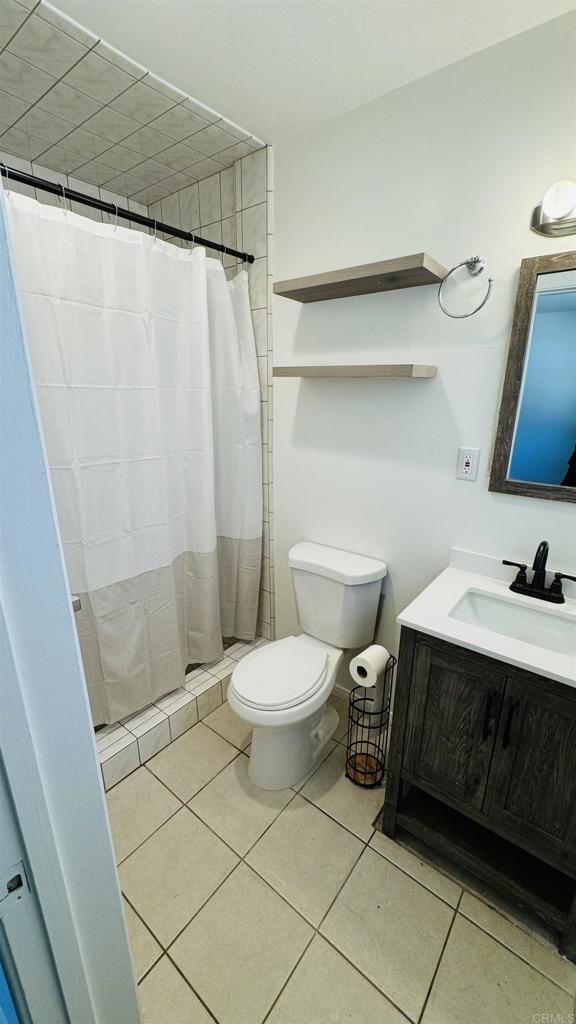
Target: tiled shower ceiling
71 103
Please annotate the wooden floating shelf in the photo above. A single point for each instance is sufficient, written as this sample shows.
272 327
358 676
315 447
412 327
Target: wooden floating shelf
413 371
383 276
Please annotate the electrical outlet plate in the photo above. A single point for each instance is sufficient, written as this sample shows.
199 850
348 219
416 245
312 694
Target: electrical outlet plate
467 465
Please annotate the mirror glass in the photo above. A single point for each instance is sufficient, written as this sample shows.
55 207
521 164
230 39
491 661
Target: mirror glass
543 447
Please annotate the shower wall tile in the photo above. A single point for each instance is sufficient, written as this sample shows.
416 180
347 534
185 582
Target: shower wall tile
229 239
209 700
11 109
259 320
257 282
119 760
12 15
154 740
171 210
254 179
254 229
141 102
97 78
44 125
60 21
23 144
190 207
68 103
110 53
212 140
210 201
21 79
227 193
110 124
46 47
56 67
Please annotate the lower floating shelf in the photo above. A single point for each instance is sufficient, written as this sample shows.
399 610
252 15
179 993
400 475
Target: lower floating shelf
413 371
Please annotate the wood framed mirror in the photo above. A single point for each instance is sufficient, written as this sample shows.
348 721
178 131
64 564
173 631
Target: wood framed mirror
535 447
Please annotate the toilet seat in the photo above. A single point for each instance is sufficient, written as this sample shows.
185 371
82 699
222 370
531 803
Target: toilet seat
281 675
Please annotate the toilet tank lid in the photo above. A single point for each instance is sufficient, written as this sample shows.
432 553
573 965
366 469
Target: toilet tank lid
344 566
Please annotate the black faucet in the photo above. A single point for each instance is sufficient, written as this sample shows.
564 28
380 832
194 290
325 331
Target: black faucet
539 566
537 585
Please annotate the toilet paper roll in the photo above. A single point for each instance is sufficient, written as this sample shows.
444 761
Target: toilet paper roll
368 668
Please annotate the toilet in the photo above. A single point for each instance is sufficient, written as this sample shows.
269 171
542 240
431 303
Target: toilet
282 689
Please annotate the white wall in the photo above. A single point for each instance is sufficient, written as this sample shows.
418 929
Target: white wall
451 164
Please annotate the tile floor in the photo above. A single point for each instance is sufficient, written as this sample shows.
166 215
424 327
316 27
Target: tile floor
289 907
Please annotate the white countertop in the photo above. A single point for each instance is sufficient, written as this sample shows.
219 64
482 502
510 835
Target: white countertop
430 613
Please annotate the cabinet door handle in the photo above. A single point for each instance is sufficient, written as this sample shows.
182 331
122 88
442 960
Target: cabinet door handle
487 726
508 726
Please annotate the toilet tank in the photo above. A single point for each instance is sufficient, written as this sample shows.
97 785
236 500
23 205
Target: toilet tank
336 593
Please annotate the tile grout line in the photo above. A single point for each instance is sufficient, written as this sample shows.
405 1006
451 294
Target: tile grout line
164 953
439 961
191 987
315 932
316 929
509 949
120 142
165 822
15 33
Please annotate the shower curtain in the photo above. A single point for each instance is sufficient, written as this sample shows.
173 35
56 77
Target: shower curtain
146 374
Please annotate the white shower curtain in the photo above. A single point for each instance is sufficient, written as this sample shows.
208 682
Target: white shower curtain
145 366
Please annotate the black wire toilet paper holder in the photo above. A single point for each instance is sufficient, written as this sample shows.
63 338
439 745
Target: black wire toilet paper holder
368 732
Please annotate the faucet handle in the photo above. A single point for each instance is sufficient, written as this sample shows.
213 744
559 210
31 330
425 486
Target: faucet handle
556 585
521 574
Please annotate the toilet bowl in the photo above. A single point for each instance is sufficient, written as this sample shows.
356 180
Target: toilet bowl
282 689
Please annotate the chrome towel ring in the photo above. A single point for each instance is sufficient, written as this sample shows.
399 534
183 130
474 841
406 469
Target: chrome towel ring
474 265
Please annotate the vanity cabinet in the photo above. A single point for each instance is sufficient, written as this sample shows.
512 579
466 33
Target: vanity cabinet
482 766
450 731
532 783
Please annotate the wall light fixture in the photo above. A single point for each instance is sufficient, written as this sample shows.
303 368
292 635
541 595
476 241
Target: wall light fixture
556 214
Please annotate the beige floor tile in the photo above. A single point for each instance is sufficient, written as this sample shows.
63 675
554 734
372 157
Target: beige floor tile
326 989
330 746
165 998
192 760
353 806
541 955
143 946
169 877
226 722
391 928
424 873
137 806
239 950
479 980
235 808
306 857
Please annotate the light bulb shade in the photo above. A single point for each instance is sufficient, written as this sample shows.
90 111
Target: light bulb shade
560 199
556 214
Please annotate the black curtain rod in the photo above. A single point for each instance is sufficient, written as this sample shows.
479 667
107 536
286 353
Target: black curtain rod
117 211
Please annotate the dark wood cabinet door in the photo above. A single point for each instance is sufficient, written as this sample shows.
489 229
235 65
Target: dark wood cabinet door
532 785
455 705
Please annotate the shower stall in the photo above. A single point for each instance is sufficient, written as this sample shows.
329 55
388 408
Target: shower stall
146 309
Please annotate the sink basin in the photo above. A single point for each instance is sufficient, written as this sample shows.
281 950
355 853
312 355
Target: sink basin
541 626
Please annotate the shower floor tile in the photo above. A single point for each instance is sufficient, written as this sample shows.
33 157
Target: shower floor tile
251 907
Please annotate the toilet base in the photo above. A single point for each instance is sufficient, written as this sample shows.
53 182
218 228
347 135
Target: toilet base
282 756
